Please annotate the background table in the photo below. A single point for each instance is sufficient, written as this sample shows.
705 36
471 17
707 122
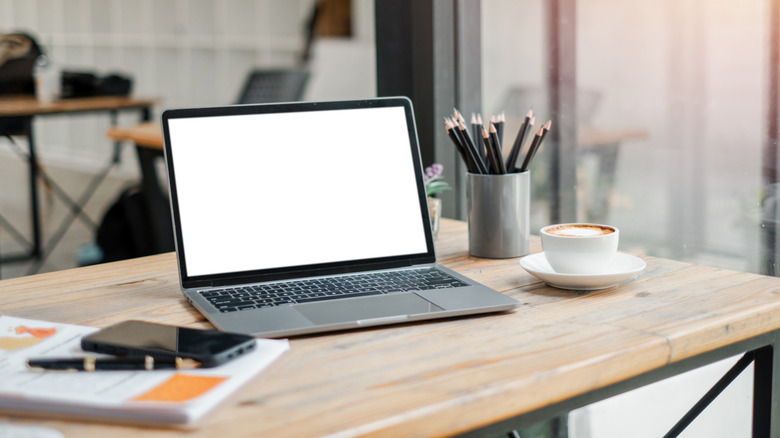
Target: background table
148 140
24 109
559 350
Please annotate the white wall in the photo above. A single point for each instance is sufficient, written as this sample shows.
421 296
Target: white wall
186 53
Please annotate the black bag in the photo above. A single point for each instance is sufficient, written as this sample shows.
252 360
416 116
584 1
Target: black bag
86 84
78 84
18 54
114 84
126 229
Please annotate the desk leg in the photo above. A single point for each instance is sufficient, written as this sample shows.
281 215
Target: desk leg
75 209
766 391
35 220
157 201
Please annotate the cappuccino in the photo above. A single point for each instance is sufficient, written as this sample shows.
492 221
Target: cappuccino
579 230
580 248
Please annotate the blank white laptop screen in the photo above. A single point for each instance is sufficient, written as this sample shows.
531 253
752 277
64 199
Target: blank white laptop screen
264 191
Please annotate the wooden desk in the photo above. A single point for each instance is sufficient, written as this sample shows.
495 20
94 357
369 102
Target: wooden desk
559 350
20 106
23 109
148 135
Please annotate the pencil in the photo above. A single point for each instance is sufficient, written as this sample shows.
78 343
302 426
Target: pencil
511 161
476 129
472 163
461 124
532 149
545 130
477 136
500 120
495 141
472 149
456 130
449 127
490 152
457 116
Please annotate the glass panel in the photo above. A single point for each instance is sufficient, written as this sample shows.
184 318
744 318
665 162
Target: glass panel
671 112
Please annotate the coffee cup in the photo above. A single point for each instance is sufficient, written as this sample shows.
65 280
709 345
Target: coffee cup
580 248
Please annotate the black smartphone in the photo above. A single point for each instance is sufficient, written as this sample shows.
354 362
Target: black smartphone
140 338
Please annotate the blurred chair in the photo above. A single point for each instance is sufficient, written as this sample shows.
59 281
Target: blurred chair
271 86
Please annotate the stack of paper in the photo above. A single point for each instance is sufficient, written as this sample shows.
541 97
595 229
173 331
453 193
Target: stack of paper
173 396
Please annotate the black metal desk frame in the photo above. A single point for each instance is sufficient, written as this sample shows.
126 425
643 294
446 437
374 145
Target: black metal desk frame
37 250
761 350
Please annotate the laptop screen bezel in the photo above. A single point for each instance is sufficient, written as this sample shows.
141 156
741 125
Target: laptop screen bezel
261 275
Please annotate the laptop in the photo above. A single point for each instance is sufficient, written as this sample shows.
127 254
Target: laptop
306 217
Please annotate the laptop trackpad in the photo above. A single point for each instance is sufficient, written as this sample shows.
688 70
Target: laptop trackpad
356 309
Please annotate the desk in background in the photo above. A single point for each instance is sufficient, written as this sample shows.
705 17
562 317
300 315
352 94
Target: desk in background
479 375
148 141
24 109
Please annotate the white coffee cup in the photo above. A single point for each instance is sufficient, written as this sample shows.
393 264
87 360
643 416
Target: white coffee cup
580 248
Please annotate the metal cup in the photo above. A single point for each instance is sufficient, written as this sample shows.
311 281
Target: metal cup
498 215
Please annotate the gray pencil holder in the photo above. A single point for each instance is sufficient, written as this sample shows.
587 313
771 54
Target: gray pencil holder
498 215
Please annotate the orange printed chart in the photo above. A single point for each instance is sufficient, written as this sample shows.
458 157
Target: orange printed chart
181 388
21 336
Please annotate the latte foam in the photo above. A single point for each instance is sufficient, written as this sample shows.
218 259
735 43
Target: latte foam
579 230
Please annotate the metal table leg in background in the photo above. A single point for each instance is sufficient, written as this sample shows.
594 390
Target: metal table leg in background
35 220
76 207
38 251
156 200
31 157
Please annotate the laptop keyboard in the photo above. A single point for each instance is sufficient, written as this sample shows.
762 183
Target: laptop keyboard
304 291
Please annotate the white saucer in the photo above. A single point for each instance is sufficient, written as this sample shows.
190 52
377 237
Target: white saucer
623 268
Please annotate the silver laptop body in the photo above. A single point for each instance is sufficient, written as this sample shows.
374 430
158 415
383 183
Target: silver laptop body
307 217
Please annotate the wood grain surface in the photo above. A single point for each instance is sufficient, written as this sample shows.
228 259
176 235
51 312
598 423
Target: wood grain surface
428 379
148 135
13 106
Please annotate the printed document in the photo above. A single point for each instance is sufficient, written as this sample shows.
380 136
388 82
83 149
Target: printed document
160 396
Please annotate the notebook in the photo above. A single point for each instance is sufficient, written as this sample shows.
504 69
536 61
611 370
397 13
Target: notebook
296 218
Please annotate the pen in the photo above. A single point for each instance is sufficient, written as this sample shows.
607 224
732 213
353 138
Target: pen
91 363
